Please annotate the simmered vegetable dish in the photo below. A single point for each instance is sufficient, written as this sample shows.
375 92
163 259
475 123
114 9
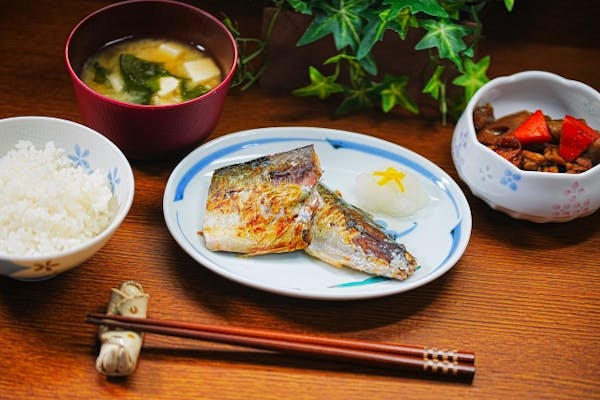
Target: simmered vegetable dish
535 142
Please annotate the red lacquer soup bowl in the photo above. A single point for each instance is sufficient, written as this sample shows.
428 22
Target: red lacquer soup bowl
151 131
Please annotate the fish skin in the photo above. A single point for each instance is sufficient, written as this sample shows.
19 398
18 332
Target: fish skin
345 236
263 205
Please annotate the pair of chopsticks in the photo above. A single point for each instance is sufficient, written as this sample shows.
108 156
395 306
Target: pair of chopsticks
448 363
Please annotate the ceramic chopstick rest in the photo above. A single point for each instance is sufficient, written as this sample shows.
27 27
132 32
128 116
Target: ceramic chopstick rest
120 349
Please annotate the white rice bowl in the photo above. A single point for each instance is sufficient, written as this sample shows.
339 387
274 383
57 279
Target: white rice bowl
65 191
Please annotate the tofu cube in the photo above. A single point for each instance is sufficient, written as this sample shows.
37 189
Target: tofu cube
116 81
201 70
166 85
169 50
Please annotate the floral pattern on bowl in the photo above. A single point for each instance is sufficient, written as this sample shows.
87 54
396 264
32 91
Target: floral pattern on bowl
80 158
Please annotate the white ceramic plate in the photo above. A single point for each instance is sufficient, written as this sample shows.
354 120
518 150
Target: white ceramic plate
437 235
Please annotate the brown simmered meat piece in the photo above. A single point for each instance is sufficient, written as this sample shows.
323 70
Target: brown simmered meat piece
555 128
492 128
579 165
483 115
593 152
509 147
509 123
551 161
487 137
502 126
551 154
549 168
533 161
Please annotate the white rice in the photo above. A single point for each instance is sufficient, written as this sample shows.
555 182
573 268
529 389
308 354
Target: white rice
47 204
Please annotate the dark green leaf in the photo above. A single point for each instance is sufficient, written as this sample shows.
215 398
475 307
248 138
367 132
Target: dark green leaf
341 18
404 20
446 37
429 7
368 64
373 33
376 25
320 27
474 76
357 26
434 85
300 6
355 99
320 86
395 93
348 17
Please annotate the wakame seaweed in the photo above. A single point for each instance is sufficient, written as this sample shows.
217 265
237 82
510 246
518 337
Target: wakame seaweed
191 93
141 77
100 73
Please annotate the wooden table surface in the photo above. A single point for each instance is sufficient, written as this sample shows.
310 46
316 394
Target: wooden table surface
524 297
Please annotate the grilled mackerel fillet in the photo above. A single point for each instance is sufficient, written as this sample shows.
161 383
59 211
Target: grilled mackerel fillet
263 205
345 236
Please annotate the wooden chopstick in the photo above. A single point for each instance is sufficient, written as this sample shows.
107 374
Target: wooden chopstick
430 361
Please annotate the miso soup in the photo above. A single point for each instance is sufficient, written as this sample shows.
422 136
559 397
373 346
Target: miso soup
151 71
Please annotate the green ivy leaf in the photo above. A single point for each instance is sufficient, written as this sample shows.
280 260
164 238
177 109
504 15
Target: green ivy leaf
394 92
373 32
342 18
349 22
446 36
320 27
429 7
320 85
435 84
368 64
378 23
356 99
402 21
509 4
474 77
357 25
300 6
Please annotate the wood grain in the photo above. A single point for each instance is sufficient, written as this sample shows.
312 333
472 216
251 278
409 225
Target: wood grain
524 297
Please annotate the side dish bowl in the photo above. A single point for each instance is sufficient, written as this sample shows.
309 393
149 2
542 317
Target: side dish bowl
530 195
151 131
87 149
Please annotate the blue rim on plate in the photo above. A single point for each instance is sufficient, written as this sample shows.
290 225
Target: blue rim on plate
437 235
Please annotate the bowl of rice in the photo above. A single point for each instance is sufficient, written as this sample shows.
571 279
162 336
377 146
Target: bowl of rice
65 191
